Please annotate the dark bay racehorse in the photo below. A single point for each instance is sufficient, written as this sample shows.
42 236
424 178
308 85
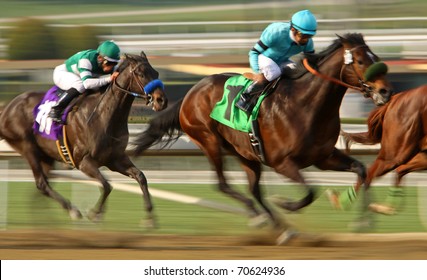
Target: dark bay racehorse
299 122
97 132
401 128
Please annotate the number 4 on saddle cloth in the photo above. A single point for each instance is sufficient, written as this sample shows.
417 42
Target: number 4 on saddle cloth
228 114
46 127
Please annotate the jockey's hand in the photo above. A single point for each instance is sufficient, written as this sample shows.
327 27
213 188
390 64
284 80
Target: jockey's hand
114 76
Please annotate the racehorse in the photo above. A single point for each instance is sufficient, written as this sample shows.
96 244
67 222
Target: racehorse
299 122
97 132
401 128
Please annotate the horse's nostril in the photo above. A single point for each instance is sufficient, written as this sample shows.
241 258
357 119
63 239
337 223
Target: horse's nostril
386 92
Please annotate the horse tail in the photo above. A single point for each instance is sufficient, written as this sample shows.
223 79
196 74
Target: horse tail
374 133
164 128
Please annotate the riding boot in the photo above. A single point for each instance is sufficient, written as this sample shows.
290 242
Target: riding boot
246 102
64 100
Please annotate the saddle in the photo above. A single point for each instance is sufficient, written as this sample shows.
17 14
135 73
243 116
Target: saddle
44 126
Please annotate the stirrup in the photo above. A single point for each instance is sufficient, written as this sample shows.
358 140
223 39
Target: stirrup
56 117
243 105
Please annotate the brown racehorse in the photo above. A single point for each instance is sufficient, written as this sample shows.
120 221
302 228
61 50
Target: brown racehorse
97 132
401 128
299 122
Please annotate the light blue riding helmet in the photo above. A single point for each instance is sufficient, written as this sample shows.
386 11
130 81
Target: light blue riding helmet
305 22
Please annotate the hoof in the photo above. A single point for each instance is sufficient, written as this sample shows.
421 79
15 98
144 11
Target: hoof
362 225
286 236
75 214
277 200
94 216
148 223
333 197
259 221
382 209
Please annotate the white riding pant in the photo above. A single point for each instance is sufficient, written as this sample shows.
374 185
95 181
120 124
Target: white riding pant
270 69
66 80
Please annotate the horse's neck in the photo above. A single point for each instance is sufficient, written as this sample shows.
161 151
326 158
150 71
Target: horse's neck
312 98
115 107
322 98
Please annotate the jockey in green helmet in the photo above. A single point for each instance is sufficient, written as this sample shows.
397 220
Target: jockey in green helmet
270 56
88 69
109 51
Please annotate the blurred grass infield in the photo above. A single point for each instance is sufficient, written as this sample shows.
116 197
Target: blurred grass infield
25 208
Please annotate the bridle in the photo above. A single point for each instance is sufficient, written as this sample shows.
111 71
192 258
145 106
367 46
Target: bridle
147 90
348 60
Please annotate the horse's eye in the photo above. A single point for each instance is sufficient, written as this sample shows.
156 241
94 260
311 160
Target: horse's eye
360 62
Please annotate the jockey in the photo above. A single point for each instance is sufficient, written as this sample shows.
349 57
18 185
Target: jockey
270 56
86 69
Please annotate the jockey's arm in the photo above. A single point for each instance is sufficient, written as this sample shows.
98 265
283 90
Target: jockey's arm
92 82
258 49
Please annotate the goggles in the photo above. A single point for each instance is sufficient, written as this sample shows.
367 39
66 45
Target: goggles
302 35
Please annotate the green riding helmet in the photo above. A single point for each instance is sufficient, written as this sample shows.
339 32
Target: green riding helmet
305 22
110 51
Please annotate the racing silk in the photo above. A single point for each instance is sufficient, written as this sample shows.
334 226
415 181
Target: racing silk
276 43
85 65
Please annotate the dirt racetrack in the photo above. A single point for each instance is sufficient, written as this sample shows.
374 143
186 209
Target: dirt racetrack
77 244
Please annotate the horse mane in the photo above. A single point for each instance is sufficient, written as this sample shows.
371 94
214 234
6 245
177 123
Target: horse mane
315 59
131 57
352 38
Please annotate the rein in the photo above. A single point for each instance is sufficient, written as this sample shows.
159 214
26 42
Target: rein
147 90
328 78
348 60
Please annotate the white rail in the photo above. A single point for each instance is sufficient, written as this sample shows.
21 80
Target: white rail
184 143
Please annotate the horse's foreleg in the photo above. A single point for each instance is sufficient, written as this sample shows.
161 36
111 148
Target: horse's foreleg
338 161
253 172
289 169
88 167
127 168
394 199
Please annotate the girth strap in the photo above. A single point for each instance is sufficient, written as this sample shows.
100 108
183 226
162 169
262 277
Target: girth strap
63 149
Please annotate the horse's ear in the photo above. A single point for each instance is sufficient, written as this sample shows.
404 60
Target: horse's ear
143 54
342 39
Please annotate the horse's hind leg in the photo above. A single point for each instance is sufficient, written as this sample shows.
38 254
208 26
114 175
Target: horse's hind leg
90 168
127 168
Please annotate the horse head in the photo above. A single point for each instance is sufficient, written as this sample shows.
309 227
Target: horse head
363 70
138 78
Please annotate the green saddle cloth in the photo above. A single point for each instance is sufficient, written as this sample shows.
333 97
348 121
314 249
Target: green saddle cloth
226 113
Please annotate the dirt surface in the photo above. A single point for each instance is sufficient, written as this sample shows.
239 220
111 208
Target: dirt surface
37 244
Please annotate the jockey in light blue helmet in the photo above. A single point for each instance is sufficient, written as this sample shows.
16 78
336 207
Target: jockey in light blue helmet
270 57
305 22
